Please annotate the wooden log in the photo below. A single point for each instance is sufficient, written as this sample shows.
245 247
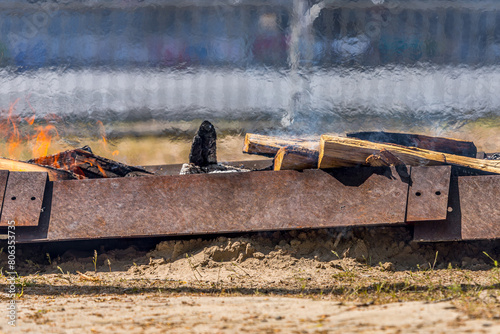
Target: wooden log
439 144
269 145
83 162
341 152
53 173
295 158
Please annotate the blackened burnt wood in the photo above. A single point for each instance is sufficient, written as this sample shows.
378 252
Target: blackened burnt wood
204 148
439 144
82 161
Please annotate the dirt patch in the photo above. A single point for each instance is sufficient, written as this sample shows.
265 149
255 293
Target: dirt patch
357 276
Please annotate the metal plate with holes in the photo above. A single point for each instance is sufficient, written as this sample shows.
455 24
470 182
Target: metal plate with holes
428 193
220 203
23 198
474 211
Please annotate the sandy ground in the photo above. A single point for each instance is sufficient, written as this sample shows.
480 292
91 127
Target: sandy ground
159 313
366 280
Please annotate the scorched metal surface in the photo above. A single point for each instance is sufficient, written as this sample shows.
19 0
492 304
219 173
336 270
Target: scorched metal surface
218 203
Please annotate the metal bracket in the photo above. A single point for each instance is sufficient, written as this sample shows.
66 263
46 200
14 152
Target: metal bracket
474 211
428 193
23 198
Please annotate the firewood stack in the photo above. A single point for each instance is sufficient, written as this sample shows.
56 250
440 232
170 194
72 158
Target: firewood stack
369 149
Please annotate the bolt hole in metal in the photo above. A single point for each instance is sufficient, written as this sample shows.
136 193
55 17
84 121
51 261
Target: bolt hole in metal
13 198
438 193
33 198
418 193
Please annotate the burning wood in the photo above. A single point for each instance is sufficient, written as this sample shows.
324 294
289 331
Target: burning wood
343 152
83 162
53 173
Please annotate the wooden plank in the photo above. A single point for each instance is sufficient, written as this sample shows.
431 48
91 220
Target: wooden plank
269 145
344 152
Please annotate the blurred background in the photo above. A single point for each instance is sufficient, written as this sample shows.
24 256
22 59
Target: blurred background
134 78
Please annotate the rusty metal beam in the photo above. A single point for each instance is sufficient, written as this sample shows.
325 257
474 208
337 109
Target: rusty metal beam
219 203
474 211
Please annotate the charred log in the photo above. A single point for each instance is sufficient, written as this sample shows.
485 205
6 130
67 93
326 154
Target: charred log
204 148
83 162
439 144
493 156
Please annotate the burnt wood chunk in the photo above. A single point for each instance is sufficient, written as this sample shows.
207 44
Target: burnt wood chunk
83 162
204 148
439 144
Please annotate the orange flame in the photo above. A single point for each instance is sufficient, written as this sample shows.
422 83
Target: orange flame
43 140
102 171
15 135
56 160
24 137
102 133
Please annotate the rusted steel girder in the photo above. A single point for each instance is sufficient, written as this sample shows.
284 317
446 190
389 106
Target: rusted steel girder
260 201
219 203
474 211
